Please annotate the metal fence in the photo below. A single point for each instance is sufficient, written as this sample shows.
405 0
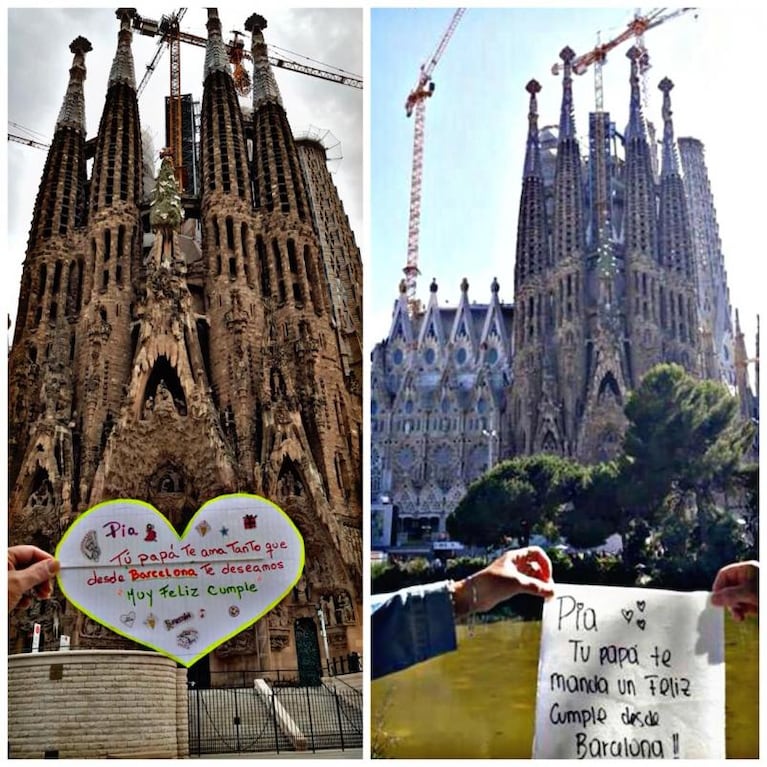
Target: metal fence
265 716
334 667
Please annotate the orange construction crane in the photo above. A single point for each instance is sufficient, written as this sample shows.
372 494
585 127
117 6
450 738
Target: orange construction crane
416 102
237 53
635 28
169 30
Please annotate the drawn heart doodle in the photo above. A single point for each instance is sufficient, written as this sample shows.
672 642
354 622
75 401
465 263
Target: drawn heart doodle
641 605
628 615
641 623
124 565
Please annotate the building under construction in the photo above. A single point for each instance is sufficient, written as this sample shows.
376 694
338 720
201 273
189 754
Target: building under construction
618 268
150 365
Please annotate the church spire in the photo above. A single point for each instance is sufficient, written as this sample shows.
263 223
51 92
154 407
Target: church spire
533 152
223 152
568 188
72 114
532 238
278 182
636 125
567 113
61 203
675 251
116 173
264 85
641 216
670 157
123 70
216 59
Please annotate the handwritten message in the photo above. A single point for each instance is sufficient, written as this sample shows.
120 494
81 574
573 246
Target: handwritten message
630 673
124 565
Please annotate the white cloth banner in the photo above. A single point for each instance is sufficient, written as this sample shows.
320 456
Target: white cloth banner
630 673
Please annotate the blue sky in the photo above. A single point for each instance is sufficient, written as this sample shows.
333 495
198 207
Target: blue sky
476 125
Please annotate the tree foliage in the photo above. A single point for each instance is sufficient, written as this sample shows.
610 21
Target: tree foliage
684 437
517 497
664 494
595 513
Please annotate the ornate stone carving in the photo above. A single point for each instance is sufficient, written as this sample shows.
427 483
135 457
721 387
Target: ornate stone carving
337 636
279 639
99 327
242 644
328 607
166 210
344 609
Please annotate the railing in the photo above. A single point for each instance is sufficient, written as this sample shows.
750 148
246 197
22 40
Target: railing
344 664
267 717
334 667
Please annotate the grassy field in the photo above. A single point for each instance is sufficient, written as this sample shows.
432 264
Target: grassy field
479 702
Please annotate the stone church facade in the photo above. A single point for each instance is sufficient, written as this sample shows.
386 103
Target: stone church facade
618 267
151 363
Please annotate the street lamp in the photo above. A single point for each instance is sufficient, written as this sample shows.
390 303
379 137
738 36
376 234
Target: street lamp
491 435
324 633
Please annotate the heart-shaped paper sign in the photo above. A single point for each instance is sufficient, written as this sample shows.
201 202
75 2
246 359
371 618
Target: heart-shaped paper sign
124 565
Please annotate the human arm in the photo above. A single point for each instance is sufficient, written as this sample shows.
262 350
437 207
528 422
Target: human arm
736 587
522 571
411 625
29 568
417 623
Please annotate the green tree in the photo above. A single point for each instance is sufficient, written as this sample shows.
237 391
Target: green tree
684 437
683 446
595 513
517 497
682 453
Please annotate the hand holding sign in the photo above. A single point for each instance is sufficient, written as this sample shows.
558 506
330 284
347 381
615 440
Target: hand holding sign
526 570
30 570
125 566
736 587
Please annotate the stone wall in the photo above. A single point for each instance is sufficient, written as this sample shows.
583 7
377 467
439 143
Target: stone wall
96 704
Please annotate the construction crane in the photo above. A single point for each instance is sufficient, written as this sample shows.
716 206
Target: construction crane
168 28
28 141
237 53
635 28
416 102
236 50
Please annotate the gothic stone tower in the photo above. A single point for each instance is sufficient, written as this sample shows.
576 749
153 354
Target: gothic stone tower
605 287
137 373
618 267
437 397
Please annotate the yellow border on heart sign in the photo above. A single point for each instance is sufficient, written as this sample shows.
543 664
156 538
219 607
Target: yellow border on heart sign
136 502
